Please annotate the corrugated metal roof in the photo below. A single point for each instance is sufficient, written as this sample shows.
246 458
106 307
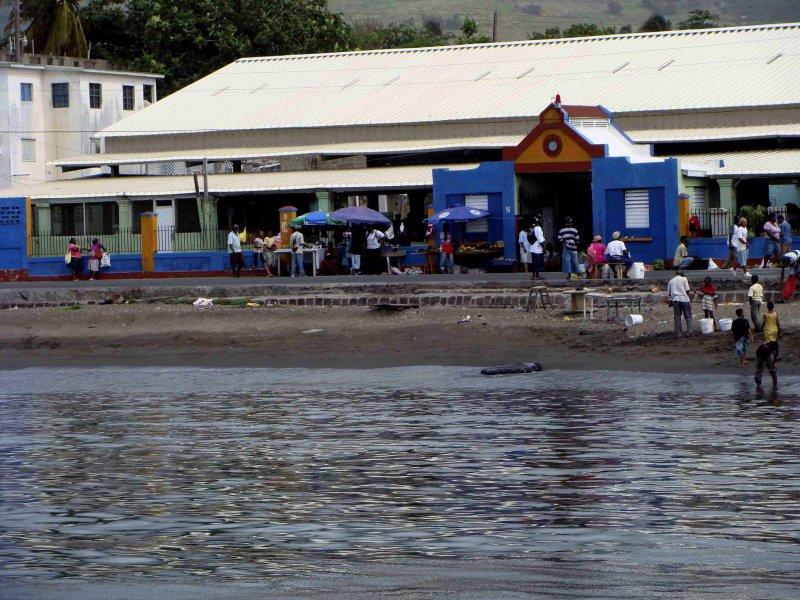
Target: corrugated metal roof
693 134
351 148
385 178
750 163
677 70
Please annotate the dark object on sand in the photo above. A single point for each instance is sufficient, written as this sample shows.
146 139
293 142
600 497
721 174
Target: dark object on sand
115 299
393 306
511 369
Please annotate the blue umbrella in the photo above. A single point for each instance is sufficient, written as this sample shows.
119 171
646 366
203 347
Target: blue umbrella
360 215
458 213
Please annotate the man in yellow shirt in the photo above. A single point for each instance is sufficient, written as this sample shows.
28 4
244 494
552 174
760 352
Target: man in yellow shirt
756 296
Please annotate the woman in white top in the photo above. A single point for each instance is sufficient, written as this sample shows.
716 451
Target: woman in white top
536 241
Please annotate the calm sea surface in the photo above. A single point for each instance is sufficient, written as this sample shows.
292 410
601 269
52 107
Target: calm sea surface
403 483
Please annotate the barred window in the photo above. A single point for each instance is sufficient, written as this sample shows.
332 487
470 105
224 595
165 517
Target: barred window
95 95
60 95
127 97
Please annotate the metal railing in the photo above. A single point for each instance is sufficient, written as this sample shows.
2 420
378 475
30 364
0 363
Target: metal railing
125 241
715 222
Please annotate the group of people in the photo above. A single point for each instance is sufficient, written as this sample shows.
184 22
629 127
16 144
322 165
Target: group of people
778 234
680 296
95 253
264 247
533 251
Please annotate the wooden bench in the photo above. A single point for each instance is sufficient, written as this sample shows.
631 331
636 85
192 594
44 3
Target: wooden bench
618 268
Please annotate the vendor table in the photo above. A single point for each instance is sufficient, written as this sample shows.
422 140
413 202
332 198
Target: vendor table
390 254
317 254
574 295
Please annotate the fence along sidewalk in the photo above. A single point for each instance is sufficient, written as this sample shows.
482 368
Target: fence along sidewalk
128 241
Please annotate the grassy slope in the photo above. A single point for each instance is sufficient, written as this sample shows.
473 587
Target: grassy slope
514 24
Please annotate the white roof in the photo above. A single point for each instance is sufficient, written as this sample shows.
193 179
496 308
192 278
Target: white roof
604 133
384 178
695 134
747 163
249 153
677 70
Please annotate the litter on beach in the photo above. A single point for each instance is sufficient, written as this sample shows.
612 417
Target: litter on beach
203 302
253 304
312 330
465 319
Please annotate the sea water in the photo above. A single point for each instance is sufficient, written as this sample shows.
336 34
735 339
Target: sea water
410 482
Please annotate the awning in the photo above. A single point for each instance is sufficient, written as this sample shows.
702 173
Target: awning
383 178
86 161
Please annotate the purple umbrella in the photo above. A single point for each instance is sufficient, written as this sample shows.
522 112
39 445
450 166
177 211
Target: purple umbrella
360 215
458 213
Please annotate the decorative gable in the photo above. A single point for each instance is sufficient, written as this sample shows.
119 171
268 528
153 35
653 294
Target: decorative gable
553 146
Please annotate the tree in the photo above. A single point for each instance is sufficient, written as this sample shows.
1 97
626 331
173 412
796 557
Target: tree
52 26
470 33
699 19
187 40
576 30
370 35
655 22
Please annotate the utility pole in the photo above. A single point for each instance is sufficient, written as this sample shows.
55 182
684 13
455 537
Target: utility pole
17 33
494 27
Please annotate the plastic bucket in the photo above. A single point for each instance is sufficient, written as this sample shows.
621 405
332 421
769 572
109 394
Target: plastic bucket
636 271
707 325
725 324
631 320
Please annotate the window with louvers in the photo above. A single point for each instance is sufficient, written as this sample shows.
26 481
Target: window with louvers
637 209
480 201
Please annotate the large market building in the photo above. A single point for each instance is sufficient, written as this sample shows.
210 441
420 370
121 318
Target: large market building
640 120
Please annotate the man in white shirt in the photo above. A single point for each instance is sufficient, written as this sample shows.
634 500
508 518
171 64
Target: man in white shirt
296 242
536 241
524 249
374 237
742 245
678 290
235 251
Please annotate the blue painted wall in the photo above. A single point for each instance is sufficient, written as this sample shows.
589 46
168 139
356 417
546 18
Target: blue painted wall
14 234
496 179
611 177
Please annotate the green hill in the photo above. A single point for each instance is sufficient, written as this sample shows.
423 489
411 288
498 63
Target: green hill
517 18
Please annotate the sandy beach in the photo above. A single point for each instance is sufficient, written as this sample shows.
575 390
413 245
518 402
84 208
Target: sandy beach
360 337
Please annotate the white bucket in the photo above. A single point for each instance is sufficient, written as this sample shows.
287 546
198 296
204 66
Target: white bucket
707 325
636 271
725 324
631 320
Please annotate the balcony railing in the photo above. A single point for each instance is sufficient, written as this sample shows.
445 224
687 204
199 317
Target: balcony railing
715 222
126 241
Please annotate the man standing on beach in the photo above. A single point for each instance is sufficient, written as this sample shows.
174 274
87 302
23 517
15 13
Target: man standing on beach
742 334
678 290
731 260
568 236
742 245
235 251
756 297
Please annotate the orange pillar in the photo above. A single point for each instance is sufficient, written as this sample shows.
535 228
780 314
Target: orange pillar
149 241
683 214
287 213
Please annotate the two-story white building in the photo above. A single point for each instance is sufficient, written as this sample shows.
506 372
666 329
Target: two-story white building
52 107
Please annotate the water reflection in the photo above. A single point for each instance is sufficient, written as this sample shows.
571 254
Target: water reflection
182 473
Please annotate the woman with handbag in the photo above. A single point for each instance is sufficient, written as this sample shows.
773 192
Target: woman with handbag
95 256
74 252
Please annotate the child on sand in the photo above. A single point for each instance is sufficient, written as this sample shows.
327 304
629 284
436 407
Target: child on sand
709 295
742 334
770 324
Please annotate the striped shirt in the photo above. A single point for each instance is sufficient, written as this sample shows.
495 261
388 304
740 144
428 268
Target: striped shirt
569 237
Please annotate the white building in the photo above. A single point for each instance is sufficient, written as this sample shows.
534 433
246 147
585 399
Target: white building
52 107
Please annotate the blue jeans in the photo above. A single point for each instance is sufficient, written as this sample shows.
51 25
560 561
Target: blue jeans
772 248
297 264
682 309
446 263
569 261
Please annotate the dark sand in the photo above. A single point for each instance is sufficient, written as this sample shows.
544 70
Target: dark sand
137 335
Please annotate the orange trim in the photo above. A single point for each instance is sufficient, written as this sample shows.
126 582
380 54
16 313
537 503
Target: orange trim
554 167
